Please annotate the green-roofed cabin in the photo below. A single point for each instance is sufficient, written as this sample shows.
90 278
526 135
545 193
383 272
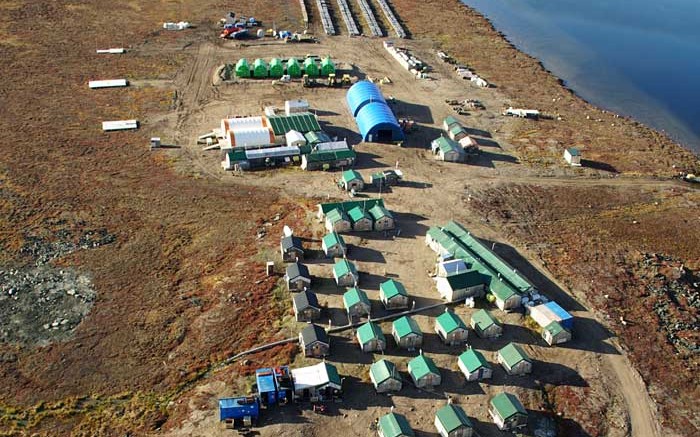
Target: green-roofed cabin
337 221
507 298
514 359
424 372
446 149
393 295
450 328
394 425
371 338
293 67
333 245
406 333
328 159
385 376
260 68
448 122
352 180
507 412
356 303
554 333
383 219
485 324
310 67
474 366
456 133
327 66
461 284
360 219
345 274
276 68
452 421
242 68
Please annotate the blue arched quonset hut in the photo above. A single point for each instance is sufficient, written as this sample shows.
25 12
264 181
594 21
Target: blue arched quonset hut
374 118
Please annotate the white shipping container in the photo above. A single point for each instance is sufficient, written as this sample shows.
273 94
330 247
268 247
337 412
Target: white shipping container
115 51
111 83
119 125
295 106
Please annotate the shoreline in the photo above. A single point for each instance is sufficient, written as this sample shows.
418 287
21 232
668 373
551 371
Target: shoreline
668 135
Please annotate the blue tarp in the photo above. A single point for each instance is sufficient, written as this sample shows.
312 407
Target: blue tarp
238 408
567 320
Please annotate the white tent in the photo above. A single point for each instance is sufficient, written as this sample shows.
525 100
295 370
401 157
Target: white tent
295 138
251 137
313 378
228 124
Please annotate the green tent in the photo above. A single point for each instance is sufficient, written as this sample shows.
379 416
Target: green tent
259 68
310 67
276 68
293 67
242 68
327 66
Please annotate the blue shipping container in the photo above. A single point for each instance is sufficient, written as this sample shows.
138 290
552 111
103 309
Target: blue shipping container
567 320
238 408
267 389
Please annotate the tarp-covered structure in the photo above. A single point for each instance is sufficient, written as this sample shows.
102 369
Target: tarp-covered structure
375 120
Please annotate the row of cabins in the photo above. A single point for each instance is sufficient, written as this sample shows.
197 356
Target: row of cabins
278 68
351 180
505 409
468 268
456 145
359 215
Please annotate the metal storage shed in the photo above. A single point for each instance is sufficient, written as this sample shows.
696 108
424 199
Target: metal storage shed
293 67
242 68
327 66
276 68
310 67
377 123
362 93
260 68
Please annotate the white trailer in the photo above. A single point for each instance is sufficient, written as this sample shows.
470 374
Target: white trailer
111 83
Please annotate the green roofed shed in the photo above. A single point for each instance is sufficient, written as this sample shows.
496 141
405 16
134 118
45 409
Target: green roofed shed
450 321
421 366
406 326
356 302
507 405
382 371
473 360
293 67
394 425
392 288
302 122
276 68
371 337
310 67
327 66
450 418
242 68
260 69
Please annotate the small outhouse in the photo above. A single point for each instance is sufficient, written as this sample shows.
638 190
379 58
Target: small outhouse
573 156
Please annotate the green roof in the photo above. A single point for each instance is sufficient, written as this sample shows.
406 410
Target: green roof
237 155
392 288
335 216
395 425
483 319
405 326
446 145
512 354
354 296
466 279
457 129
356 214
315 137
450 321
554 328
383 370
453 417
421 366
333 238
451 120
501 290
343 267
378 211
302 122
473 360
333 374
347 206
351 175
368 332
330 155
507 405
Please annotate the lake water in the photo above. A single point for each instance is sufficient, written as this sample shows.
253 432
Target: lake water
634 57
